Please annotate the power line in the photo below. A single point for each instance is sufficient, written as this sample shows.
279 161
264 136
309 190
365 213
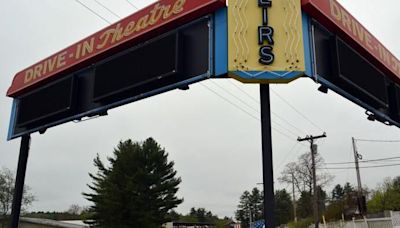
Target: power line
288 155
243 91
279 117
258 103
254 109
108 9
238 98
372 160
243 110
230 102
364 167
386 162
296 110
377 140
94 12
130 3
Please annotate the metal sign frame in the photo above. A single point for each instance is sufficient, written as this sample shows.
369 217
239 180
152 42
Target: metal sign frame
103 109
309 29
337 19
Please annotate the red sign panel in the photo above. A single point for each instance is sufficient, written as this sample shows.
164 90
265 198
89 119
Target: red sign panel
159 17
336 18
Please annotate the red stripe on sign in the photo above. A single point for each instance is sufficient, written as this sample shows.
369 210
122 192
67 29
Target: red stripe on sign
149 22
338 20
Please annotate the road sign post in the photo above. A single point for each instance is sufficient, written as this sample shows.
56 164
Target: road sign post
268 169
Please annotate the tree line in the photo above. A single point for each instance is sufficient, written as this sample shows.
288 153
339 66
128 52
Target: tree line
341 202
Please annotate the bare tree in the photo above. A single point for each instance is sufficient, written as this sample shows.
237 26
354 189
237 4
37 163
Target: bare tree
7 182
300 173
74 209
289 175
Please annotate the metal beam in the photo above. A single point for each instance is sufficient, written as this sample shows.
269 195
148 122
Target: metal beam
268 173
20 180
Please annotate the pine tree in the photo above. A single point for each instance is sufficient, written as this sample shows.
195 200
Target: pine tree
283 207
137 190
250 207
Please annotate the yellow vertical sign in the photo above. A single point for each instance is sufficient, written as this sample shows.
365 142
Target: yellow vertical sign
265 40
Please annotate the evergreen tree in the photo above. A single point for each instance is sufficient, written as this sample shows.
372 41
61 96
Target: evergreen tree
257 204
250 207
321 200
348 189
283 207
338 193
343 202
243 212
304 205
137 190
200 215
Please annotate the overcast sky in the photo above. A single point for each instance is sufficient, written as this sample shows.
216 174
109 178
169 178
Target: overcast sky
216 147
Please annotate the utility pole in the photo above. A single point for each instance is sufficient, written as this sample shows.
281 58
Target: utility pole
311 139
294 200
360 197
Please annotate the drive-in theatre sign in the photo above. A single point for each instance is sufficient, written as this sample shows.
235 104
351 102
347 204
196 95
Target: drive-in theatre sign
173 43
153 20
98 43
117 65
